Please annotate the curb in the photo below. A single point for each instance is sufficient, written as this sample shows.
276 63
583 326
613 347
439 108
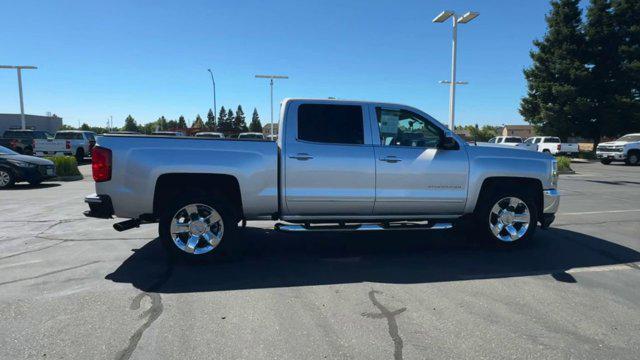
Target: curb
67 178
566 172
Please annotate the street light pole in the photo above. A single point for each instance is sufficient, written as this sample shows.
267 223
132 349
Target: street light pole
271 77
215 109
443 16
19 69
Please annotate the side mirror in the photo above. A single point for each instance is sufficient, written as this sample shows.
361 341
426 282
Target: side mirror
448 143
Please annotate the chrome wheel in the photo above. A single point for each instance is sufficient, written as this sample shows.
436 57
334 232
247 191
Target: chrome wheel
4 178
509 219
197 229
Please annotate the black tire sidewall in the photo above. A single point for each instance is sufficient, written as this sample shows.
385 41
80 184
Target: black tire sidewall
637 158
605 162
224 250
12 178
80 155
484 209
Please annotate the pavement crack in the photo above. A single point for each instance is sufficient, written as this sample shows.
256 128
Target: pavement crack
49 273
30 251
391 322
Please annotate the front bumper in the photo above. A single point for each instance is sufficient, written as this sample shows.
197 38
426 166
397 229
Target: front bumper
611 155
35 174
550 203
100 206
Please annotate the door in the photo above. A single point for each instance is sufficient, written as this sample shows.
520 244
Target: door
328 160
413 175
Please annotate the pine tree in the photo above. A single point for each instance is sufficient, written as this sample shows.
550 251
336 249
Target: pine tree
627 15
239 122
130 124
182 123
211 121
222 119
255 125
603 43
198 123
162 123
557 96
228 125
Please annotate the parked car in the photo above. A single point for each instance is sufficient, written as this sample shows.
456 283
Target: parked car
15 167
22 141
553 145
250 136
167 133
209 134
76 143
626 148
515 141
339 165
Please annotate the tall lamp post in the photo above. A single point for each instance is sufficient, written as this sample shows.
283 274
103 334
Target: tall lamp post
19 69
271 77
215 109
442 17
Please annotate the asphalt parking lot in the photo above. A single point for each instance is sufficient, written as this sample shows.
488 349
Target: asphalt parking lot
73 288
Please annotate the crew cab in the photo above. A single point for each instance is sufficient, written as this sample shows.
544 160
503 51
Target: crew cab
553 145
515 141
626 148
22 141
337 165
76 143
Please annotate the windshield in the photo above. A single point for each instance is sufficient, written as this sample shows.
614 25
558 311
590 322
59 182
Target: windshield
635 137
5 151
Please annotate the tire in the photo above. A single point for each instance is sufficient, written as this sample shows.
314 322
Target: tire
222 232
507 216
547 151
7 179
633 158
605 161
79 155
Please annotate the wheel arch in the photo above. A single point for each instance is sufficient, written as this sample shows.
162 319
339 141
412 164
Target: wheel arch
490 183
170 185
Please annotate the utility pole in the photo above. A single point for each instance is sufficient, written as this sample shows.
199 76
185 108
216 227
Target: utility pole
442 17
215 109
19 69
271 77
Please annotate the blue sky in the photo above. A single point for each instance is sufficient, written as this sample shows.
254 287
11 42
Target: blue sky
150 58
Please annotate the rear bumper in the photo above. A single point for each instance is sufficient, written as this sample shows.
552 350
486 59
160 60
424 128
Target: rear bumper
99 206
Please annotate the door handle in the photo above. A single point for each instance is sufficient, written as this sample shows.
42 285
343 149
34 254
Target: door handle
390 159
301 156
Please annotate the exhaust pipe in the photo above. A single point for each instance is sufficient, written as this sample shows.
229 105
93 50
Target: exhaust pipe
127 225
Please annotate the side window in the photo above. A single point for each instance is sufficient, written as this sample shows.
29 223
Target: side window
499 140
492 140
78 136
334 124
404 128
90 136
529 141
538 141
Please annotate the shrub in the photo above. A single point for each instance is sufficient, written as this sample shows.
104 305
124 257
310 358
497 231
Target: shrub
65 165
564 163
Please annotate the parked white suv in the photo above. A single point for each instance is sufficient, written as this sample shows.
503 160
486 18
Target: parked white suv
626 149
553 145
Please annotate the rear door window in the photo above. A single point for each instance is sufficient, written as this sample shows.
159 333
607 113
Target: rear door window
333 124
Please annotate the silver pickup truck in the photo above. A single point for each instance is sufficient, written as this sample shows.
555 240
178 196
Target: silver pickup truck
337 165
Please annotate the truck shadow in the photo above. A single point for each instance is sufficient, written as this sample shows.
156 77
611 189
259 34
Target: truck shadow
271 260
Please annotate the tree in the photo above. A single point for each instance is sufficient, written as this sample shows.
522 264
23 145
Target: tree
85 127
627 17
130 124
239 122
172 125
557 101
162 123
182 123
224 123
198 123
211 121
256 125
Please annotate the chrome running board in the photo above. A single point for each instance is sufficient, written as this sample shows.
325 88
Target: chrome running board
363 227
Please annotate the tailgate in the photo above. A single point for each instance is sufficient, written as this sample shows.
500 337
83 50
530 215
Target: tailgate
51 145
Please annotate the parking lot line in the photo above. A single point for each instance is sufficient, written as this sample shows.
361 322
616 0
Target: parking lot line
600 212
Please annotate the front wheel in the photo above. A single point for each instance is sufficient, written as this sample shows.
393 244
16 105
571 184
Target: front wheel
507 217
6 179
198 227
605 161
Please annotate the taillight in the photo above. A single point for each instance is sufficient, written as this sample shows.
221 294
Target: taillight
101 164
559 146
68 144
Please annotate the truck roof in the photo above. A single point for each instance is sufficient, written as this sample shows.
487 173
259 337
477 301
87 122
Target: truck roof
342 101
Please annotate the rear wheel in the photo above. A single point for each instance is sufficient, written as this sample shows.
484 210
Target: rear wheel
633 158
6 178
605 161
79 155
198 226
507 216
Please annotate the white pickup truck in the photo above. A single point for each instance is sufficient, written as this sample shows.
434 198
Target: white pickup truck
626 148
553 145
76 143
337 165
515 141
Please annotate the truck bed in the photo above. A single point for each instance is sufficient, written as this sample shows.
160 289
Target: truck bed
138 162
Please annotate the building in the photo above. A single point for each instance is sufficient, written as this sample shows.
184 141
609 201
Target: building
524 131
35 122
266 130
